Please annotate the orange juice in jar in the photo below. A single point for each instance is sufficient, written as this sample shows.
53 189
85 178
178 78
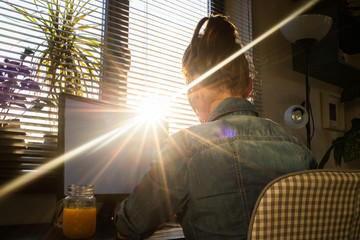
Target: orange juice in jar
79 222
79 213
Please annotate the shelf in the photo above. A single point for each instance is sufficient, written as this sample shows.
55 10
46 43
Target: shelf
325 59
333 72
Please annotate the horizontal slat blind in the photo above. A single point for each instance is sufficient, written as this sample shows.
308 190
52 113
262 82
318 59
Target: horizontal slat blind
46 47
125 52
240 13
158 36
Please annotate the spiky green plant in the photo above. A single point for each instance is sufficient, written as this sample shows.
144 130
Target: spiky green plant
68 62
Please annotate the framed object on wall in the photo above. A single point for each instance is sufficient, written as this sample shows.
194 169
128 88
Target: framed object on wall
333 116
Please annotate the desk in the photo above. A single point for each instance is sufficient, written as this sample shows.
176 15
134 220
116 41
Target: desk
103 232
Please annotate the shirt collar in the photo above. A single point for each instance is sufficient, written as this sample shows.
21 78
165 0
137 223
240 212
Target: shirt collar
231 105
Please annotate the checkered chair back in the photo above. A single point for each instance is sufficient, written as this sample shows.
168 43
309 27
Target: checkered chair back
313 204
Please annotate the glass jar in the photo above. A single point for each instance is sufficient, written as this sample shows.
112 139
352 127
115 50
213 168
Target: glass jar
79 212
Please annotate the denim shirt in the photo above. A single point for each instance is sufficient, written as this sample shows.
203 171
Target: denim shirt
211 175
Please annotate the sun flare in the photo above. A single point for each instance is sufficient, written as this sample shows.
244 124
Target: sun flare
152 110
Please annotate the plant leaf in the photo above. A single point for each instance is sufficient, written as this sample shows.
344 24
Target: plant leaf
325 158
21 98
352 141
36 105
339 150
30 84
49 103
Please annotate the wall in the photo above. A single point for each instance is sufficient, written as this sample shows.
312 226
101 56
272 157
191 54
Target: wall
282 87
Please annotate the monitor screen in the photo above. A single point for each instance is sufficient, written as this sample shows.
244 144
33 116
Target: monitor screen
105 145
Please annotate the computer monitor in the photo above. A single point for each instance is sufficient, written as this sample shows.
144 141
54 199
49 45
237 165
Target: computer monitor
105 145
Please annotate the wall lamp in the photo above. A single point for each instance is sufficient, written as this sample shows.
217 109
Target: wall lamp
296 116
305 31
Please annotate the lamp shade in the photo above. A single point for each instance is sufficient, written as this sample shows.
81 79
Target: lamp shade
307 26
296 116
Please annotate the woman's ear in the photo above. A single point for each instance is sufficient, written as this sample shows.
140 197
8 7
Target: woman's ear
248 89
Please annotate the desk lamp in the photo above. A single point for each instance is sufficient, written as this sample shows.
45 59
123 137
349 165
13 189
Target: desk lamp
305 31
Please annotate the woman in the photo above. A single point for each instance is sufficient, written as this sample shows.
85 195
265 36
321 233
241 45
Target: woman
211 174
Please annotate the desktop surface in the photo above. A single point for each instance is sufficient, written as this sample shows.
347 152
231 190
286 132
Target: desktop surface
103 232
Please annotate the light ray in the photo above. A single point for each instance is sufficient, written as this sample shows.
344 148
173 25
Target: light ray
161 162
22 180
232 57
276 27
121 147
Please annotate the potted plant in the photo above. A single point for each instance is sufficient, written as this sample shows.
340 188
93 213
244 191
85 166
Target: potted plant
66 61
346 147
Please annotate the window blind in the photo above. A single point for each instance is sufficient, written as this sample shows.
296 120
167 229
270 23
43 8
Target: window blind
240 13
46 47
120 51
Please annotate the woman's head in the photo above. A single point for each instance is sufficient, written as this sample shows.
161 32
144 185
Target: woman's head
210 47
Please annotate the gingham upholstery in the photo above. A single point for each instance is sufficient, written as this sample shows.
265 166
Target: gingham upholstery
313 204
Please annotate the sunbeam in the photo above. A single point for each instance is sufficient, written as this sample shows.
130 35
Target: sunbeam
104 139
121 147
246 48
160 160
252 43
